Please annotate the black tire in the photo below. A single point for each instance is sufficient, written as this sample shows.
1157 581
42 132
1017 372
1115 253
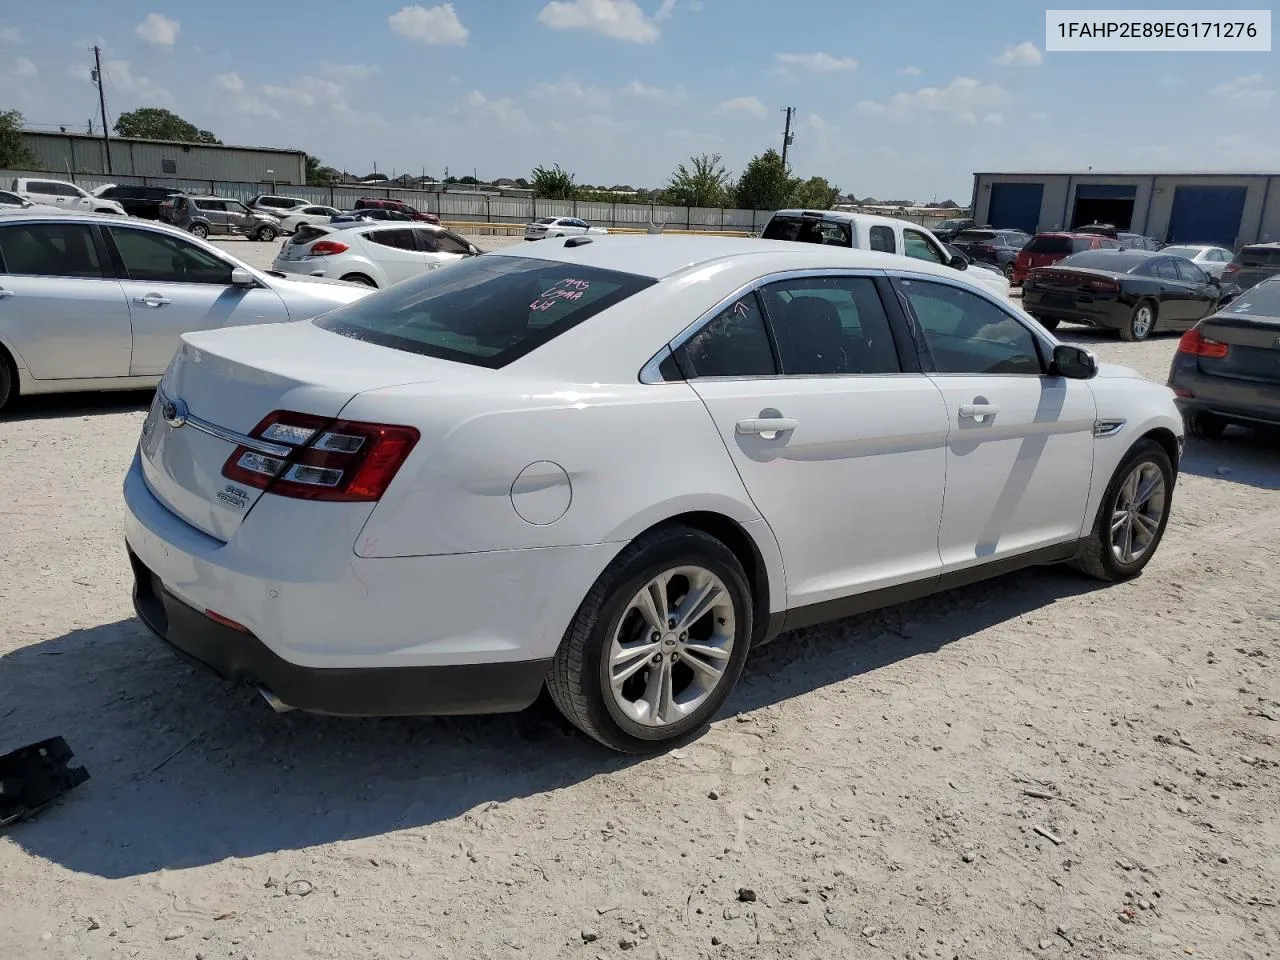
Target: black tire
1206 426
1007 270
8 381
266 234
1096 557
199 230
1133 330
577 681
359 278
1049 323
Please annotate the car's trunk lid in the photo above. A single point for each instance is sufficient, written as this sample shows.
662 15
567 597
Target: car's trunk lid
226 381
1253 346
1081 280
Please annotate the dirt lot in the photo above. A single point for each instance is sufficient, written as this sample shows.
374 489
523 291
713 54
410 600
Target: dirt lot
886 786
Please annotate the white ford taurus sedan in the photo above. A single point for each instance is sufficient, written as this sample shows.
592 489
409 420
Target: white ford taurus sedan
612 467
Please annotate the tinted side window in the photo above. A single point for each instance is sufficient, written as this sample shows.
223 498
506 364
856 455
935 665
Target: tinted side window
428 242
882 239
40 186
734 344
1165 270
160 258
50 250
399 239
451 244
830 325
1189 272
966 333
917 245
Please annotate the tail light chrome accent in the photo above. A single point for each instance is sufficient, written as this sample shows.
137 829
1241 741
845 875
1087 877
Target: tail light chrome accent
321 459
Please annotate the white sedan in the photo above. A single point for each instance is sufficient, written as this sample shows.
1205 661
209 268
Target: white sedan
560 227
1212 260
289 222
613 467
375 253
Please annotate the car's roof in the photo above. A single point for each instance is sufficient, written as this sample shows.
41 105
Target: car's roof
659 257
1270 245
845 216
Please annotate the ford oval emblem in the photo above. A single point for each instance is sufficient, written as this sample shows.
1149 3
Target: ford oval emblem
174 413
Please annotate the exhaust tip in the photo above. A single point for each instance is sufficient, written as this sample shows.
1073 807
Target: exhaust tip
276 704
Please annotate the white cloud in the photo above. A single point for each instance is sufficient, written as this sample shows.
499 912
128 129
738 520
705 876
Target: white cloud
994 119
228 83
1039 116
962 100
666 10
817 62
911 71
24 68
1167 81
433 26
120 76
480 110
1025 54
10 35
158 30
350 71
1246 91
751 105
644 91
308 91
620 19
569 91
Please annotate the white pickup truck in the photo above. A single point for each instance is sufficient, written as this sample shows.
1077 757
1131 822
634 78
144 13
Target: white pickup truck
866 232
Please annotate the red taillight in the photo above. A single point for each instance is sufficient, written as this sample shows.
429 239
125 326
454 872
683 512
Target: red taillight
327 248
1197 344
1231 268
985 248
322 459
1103 286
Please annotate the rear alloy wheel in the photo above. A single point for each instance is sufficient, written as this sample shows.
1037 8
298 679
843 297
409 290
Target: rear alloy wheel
1007 270
198 230
1132 516
1141 322
359 278
8 383
1206 426
658 643
267 234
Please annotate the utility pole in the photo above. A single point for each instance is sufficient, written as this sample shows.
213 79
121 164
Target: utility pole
102 103
787 135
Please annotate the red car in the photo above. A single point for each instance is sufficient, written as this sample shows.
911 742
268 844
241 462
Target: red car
378 203
1046 249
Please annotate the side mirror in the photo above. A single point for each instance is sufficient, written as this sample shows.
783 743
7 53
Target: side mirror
240 277
475 251
1214 281
1074 363
957 262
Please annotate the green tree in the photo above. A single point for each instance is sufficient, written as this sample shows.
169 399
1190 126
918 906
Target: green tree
319 175
814 194
703 182
14 154
156 123
766 184
553 184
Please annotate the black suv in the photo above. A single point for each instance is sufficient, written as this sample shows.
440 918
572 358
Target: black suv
948 230
996 248
140 201
1252 264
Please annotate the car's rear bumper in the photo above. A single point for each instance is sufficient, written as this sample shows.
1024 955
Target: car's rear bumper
378 691
1238 400
1111 314
328 631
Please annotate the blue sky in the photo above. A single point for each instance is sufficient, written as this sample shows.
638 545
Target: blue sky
897 100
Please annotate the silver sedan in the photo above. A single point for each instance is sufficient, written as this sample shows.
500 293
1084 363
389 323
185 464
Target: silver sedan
94 302
1212 260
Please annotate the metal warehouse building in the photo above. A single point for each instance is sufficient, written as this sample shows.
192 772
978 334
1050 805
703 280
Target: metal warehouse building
81 153
1228 209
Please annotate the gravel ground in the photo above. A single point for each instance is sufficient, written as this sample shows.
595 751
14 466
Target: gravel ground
1035 765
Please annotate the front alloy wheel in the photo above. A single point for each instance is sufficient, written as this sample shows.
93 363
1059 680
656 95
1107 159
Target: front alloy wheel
1132 517
199 230
657 644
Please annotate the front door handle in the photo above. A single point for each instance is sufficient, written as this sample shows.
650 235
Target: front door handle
152 300
766 425
978 411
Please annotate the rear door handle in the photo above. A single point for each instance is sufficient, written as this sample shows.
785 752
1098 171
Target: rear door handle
978 411
763 425
152 300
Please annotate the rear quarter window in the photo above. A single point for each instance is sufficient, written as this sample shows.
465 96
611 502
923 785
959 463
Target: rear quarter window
486 311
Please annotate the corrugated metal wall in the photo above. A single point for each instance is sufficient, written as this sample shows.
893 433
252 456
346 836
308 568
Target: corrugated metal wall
71 153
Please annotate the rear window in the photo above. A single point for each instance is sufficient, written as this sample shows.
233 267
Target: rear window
1051 244
1115 260
306 233
975 235
809 230
1259 257
1262 301
486 311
